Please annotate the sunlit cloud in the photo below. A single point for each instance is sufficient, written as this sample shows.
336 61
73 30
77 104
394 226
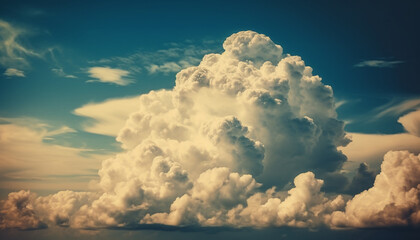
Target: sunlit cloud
411 122
378 63
246 138
13 72
28 161
108 117
109 75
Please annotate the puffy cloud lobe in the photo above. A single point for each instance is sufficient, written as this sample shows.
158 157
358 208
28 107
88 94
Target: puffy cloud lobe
215 191
394 200
59 208
18 212
305 206
249 45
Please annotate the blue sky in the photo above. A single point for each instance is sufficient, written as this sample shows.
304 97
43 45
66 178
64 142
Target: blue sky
69 72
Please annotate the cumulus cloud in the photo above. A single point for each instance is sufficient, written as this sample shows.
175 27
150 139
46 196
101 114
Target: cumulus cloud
13 72
18 212
222 149
392 201
378 63
109 75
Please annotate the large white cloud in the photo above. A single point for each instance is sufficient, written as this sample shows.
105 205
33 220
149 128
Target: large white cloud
213 150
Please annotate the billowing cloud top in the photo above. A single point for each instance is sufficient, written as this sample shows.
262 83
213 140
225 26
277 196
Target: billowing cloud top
212 151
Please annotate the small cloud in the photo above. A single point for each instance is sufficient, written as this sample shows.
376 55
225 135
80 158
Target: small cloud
60 72
13 72
378 63
109 75
165 68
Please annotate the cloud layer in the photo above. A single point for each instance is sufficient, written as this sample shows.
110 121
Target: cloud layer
243 139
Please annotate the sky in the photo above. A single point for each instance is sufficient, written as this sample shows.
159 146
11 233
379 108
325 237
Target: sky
187 119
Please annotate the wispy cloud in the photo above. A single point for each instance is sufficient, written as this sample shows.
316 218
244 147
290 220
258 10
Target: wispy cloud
397 108
60 72
109 75
13 72
165 68
169 60
378 63
12 52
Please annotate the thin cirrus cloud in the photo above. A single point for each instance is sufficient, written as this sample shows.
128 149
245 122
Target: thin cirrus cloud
167 60
60 72
378 63
109 75
190 159
396 108
13 72
12 53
